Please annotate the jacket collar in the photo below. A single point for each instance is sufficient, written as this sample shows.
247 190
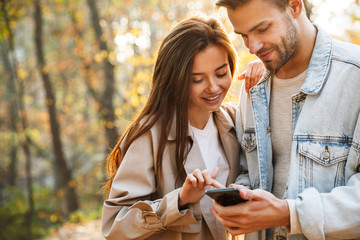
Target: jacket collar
318 66
319 63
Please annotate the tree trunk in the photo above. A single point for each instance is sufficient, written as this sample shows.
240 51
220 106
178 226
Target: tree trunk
71 199
11 65
13 110
108 113
10 95
28 162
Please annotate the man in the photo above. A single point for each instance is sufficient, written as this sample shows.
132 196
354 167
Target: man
299 128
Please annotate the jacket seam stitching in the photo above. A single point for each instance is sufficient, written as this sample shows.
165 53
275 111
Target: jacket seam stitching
346 60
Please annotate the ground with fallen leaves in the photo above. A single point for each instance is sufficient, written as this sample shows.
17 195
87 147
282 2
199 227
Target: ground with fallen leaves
85 231
80 231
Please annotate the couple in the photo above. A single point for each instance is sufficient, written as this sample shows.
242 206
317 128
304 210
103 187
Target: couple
298 127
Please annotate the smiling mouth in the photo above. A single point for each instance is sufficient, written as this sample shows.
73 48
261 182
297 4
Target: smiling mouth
265 56
213 98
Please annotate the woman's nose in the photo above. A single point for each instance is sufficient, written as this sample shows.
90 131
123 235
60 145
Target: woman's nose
213 85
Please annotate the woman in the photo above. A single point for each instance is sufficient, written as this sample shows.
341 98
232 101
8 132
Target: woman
156 188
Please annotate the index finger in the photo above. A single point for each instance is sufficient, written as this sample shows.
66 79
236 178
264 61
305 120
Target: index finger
210 181
216 184
241 76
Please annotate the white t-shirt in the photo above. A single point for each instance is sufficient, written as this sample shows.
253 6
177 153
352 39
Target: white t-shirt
282 91
212 150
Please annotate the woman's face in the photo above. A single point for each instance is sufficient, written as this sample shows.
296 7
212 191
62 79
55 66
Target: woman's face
210 81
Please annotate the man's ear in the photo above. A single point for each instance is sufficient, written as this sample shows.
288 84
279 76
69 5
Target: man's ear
295 7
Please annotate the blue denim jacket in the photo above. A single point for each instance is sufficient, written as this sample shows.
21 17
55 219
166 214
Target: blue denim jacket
324 175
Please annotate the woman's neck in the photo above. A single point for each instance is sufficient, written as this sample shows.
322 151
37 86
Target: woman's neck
199 121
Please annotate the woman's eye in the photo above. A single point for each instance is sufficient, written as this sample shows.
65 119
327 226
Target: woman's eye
197 80
222 74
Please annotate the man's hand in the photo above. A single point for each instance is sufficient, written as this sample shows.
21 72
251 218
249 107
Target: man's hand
263 210
252 74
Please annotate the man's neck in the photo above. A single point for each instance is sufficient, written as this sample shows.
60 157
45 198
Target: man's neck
301 59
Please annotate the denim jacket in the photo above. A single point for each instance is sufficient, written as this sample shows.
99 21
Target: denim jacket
324 175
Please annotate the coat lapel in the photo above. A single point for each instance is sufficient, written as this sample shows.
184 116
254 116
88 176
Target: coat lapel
195 160
229 142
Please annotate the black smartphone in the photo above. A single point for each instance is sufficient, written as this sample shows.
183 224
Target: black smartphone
225 196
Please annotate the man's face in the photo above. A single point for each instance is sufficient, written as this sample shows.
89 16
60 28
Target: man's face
267 31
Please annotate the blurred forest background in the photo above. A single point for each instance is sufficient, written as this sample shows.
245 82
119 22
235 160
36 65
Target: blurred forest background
73 73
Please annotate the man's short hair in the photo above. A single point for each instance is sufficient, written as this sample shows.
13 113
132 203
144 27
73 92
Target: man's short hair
233 4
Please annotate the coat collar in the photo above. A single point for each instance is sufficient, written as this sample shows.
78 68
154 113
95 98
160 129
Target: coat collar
222 120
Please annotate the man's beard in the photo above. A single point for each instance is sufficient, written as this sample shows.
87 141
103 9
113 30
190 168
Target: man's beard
286 50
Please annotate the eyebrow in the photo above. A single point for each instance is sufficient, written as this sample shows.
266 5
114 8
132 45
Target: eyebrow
254 27
225 64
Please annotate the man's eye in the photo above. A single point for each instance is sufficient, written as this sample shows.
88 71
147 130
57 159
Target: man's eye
263 29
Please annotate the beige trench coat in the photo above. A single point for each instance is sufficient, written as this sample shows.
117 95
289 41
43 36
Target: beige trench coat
137 210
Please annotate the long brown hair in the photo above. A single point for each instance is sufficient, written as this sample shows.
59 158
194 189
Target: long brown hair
170 90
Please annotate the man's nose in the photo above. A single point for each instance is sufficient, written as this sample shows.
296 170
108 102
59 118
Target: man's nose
255 45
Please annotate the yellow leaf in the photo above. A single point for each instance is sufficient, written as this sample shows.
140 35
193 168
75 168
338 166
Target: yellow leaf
72 183
118 111
79 15
135 102
115 32
22 73
104 54
45 70
98 57
109 125
46 10
127 94
135 32
112 56
53 218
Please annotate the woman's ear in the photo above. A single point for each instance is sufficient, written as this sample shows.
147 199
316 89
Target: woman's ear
296 7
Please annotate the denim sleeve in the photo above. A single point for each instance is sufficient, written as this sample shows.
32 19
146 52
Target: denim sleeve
335 214
243 178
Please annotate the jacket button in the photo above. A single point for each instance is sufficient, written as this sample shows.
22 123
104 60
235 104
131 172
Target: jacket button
326 155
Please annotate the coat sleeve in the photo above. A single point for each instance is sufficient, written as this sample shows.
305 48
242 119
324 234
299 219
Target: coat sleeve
335 214
130 212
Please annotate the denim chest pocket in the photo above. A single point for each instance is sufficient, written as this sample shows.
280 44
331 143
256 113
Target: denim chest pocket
322 164
248 141
325 154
